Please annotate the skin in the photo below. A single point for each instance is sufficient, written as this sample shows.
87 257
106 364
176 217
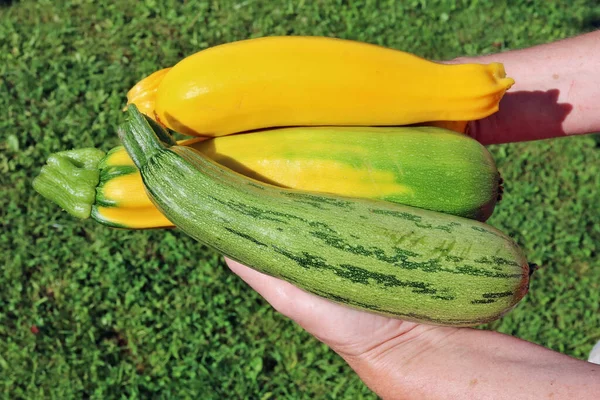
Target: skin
555 95
555 92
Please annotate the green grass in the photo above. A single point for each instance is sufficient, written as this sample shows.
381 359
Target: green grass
124 314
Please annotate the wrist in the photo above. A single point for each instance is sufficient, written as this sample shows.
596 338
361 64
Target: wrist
400 367
473 364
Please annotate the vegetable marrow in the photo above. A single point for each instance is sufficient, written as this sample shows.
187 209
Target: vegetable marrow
378 256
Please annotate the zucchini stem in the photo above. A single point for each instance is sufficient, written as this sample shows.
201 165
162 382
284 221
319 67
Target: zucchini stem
69 179
532 268
142 137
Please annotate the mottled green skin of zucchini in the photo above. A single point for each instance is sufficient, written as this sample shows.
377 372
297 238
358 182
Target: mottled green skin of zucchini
377 256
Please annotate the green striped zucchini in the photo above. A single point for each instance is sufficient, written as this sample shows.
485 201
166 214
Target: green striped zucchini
378 256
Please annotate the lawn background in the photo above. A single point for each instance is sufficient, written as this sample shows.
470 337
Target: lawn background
92 312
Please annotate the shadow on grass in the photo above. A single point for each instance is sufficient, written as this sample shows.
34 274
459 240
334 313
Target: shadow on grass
7 3
591 22
524 116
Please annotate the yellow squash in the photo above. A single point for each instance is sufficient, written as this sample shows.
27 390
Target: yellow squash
425 167
307 81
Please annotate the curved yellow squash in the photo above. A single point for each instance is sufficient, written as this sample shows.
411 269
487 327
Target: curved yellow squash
425 167
307 81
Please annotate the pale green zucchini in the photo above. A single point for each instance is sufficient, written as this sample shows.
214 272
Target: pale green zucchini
382 257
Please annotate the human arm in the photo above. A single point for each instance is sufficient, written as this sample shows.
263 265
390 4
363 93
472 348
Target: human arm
556 92
404 360
475 364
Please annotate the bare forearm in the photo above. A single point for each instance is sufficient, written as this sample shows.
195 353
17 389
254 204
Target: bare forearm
556 92
475 364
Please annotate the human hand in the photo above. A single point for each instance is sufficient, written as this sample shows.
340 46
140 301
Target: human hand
554 95
555 92
351 333
372 345
405 360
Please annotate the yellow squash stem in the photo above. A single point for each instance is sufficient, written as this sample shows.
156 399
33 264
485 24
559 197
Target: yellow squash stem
143 94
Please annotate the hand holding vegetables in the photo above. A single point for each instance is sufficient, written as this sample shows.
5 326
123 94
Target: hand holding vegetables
399 359
396 358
